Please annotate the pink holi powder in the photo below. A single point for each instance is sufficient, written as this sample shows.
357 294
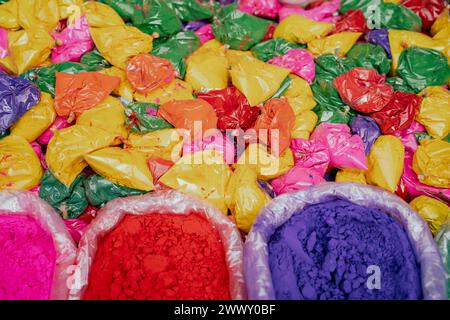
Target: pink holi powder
28 259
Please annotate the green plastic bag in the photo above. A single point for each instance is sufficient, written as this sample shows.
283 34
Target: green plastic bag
370 56
4 133
94 59
155 16
239 30
347 5
447 138
177 48
396 16
399 84
421 68
283 88
334 113
70 202
190 10
125 8
99 190
325 93
141 118
273 48
330 66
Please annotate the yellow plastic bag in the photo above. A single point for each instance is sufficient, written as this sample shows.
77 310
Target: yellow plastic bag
267 165
233 56
299 29
9 15
431 163
386 161
440 29
36 120
207 68
108 115
176 90
38 13
124 167
206 179
338 44
118 44
300 95
433 211
20 167
435 112
351 175
305 123
100 15
68 146
125 89
66 7
165 144
244 197
257 80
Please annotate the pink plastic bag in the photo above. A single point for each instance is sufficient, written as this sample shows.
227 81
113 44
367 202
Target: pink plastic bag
3 43
262 8
38 150
324 13
311 154
218 142
346 151
205 33
299 61
72 42
295 179
76 228
408 136
58 124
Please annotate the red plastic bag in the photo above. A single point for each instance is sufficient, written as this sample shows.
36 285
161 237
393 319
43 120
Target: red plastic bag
399 113
158 167
364 90
352 21
427 10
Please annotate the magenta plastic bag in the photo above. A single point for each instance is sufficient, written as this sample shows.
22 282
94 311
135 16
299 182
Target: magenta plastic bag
172 202
311 154
346 151
408 136
367 129
299 61
38 150
261 8
297 178
279 211
16 202
205 33
76 228
3 43
58 124
217 142
324 12
72 42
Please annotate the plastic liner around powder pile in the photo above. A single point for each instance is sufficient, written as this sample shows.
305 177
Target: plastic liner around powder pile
154 275
256 250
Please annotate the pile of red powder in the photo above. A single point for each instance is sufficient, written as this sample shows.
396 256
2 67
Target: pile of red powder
160 256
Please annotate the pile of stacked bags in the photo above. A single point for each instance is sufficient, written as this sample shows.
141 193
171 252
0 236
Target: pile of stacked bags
97 98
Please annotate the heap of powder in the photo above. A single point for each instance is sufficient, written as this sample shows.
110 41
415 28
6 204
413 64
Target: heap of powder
328 251
28 259
160 257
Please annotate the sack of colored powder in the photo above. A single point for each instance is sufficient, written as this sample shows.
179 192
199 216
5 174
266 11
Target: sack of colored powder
330 241
162 245
36 249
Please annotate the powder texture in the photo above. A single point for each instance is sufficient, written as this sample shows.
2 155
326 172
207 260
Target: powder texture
160 256
28 258
323 252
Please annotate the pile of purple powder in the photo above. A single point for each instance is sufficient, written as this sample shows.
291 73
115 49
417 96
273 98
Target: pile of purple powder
326 251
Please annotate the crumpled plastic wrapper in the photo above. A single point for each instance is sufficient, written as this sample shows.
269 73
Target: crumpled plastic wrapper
323 12
434 212
299 61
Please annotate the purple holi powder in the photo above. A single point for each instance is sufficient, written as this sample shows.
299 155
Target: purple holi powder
324 251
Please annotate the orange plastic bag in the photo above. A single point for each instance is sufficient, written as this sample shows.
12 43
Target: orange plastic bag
146 72
75 93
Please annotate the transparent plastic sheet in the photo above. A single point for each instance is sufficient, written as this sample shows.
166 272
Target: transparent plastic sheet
27 203
256 261
153 203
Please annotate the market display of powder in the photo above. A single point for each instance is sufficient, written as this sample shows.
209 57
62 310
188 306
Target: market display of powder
27 261
160 257
324 251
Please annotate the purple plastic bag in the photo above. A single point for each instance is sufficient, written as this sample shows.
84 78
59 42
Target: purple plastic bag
194 25
3 43
380 37
17 96
367 129
324 13
299 61
281 209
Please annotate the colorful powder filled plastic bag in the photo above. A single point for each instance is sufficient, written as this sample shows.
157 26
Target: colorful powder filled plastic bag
304 124
299 95
261 8
118 44
339 43
127 168
100 15
368 56
17 96
409 136
72 42
299 61
245 198
9 15
125 90
239 30
146 72
381 38
367 129
364 90
295 179
66 7
346 151
322 12
283 88
165 144
441 24
427 10
233 56
352 21
273 48
328 113
125 8
76 93
185 114
34 14
433 211
94 59
69 201
141 118
347 5
421 68
329 66
100 190
434 112
431 163
351 175
311 154
176 90
218 142
176 49
68 146
299 29
58 124
257 80
399 84
232 108
20 167
190 10
205 33
206 179
155 17
386 159
396 16
36 120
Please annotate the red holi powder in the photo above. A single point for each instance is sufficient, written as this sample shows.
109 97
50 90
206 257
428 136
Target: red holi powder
160 257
